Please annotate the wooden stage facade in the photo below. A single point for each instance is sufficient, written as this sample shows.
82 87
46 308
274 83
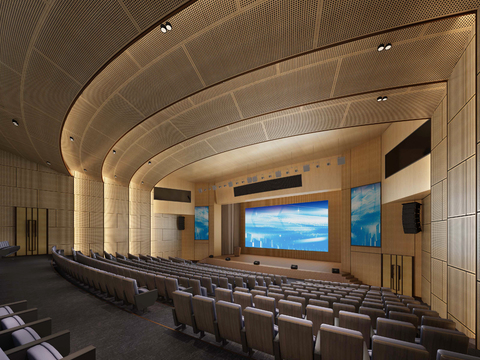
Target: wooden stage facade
307 269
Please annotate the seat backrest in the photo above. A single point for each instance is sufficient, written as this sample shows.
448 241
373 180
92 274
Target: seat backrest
290 308
278 280
401 316
183 281
11 322
259 329
160 284
118 286
24 336
373 305
298 299
205 314
244 299
182 301
223 295
321 303
337 307
171 285
424 312
318 316
395 329
251 282
438 322
207 283
417 306
258 292
239 281
241 289
276 296
387 348
260 281
195 284
229 318
404 309
223 283
450 355
150 280
330 300
130 289
437 338
265 303
355 303
339 343
295 335
359 322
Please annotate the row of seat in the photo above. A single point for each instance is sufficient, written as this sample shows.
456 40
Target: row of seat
6 249
23 336
121 287
297 338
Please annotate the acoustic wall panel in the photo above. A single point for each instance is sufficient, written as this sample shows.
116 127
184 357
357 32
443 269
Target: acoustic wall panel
439 240
140 234
437 202
461 297
462 243
439 123
116 209
439 279
439 162
426 292
426 266
457 202
461 135
439 306
167 240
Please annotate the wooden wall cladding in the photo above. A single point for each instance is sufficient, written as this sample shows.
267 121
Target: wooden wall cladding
462 243
426 266
116 221
426 291
334 227
366 163
188 238
439 123
367 267
439 162
439 306
394 241
439 279
140 229
461 297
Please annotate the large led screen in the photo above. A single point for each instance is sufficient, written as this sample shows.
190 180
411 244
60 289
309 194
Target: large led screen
365 215
201 223
291 227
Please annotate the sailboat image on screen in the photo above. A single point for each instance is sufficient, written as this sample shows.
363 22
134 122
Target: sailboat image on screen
302 226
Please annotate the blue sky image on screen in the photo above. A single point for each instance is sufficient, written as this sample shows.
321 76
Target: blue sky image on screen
292 227
201 223
365 216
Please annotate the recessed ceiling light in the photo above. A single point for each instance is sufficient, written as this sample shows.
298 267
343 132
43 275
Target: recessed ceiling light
381 47
379 98
49 163
384 98
115 176
72 139
149 163
85 170
15 122
142 182
388 46
328 164
163 28
168 26
114 152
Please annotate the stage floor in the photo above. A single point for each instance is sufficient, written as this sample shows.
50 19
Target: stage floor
307 269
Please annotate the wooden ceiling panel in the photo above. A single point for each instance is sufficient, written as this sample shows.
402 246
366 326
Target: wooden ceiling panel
453 23
41 126
270 31
286 90
376 15
10 91
87 31
15 133
80 114
161 137
194 153
147 12
237 138
48 88
162 83
215 113
128 140
19 20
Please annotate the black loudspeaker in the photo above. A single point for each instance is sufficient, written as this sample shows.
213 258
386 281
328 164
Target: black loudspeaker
210 256
181 223
256 263
411 218
335 271
228 259
294 267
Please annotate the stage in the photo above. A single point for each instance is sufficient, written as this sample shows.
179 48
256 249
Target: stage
307 269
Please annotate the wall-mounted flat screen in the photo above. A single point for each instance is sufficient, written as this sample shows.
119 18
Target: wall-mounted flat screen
301 226
365 215
201 222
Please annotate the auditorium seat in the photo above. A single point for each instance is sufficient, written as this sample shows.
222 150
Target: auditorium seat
389 308
224 284
258 292
321 303
251 282
290 308
337 307
330 300
207 284
424 312
259 330
395 329
197 289
318 316
438 322
374 314
183 281
183 310
355 303
265 303
357 322
308 297
339 343
450 355
230 323
298 299
433 338
392 349
223 295
276 296
294 339
24 336
26 316
241 289
205 316
372 305
267 280
243 299
239 282
401 316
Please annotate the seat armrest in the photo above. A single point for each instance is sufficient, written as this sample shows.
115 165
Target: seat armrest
276 347
17 306
60 341
88 353
316 350
42 327
27 316
146 299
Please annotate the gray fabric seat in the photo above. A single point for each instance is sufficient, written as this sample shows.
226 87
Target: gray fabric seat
243 299
450 355
339 343
373 305
374 314
239 282
223 295
437 338
230 323
260 329
205 315
358 322
404 309
43 351
290 308
224 284
400 316
395 329
294 339
207 284
321 303
424 312
11 322
5 310
24 336
300 300
318 316
392 349
197 288
265 303
183 310
438 322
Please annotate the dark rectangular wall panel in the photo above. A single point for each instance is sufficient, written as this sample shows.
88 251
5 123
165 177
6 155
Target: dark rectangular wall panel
172 195
410 150
269 185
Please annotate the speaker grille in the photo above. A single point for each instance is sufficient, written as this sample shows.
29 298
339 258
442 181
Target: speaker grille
269 185
411 218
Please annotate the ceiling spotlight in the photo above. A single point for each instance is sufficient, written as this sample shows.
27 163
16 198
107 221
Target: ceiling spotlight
114 152
115 176
168 26
381 47
15 122
163 28
49 163
149 163
71 138
388 46
85 170
142 182
379 98
384 98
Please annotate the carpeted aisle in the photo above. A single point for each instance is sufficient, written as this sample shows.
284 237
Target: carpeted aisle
116 333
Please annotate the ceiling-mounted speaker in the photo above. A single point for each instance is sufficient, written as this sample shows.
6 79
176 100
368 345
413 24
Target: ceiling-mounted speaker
278 174
411 218
230 184
254 179
341 160
249 180
306 168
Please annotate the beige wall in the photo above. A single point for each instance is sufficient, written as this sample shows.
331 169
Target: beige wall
27 184
140 232
116 218
173 207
